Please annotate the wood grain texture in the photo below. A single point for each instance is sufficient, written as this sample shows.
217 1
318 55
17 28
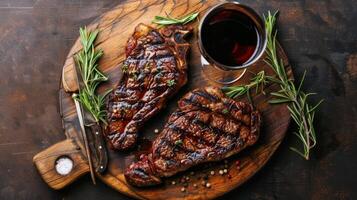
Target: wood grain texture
45 163
115 27
318 36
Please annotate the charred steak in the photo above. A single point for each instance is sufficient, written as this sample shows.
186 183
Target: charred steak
206 127
154 69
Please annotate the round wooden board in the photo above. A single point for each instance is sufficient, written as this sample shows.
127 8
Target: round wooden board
115 28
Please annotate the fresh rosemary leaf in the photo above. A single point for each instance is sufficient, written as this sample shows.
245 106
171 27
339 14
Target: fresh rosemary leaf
170 20
297 151
301 112
189 18
279 95
86 61
276 101
258 81
316 106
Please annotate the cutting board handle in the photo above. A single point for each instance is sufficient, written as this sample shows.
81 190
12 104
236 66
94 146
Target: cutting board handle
58 154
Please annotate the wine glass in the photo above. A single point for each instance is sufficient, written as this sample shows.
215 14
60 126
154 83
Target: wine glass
231 37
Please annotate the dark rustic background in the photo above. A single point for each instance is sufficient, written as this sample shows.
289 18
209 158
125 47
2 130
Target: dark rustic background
319 36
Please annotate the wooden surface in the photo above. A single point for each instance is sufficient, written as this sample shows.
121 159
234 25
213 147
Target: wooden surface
317 36
45 162
115 27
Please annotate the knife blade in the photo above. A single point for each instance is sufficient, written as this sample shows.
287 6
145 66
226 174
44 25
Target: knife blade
84 135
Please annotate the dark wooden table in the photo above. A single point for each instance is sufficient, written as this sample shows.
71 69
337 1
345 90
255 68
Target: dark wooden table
319 36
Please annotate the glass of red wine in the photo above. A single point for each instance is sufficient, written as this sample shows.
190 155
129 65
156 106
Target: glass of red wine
231 38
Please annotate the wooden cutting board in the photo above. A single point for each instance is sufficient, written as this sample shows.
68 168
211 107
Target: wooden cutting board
115 28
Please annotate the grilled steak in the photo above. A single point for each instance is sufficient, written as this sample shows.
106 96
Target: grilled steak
206 127
155 68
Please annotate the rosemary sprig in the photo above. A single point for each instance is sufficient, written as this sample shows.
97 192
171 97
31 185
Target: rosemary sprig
86 60
163 21
258 81
301 112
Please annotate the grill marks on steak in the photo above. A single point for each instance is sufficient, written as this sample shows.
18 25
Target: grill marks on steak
206 127
155 68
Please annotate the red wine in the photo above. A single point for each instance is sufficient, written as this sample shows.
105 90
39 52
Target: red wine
229 37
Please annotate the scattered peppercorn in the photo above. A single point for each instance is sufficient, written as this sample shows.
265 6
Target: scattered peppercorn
195 185
238 165
173 182
212 172
237 162
208 185
156 130
182 180
203 183
183 189
187 178
221 172
225 171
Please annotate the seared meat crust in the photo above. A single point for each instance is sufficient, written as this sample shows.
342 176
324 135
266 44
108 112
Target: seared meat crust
154 70
206 127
